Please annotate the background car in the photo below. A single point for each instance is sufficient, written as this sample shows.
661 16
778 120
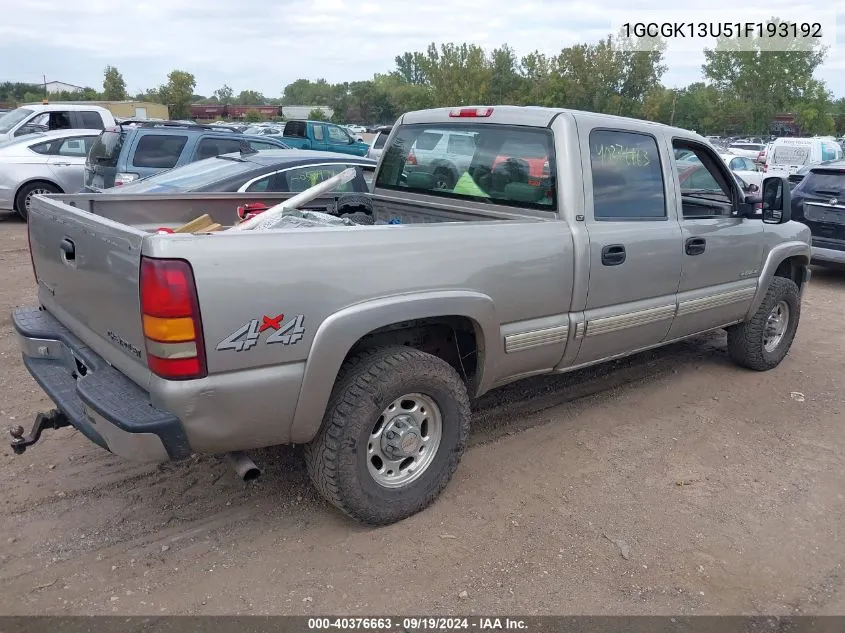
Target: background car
378 141
819 202
749 150
43 162
745 168
123 154
265 171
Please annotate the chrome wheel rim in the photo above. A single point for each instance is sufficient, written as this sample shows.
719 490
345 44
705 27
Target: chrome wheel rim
776 325
404 440
34 192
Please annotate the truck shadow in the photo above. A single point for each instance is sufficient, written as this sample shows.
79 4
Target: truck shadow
514 407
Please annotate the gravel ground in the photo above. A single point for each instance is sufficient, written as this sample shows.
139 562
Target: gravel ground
669 483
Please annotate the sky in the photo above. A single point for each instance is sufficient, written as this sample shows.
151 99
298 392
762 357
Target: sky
265 44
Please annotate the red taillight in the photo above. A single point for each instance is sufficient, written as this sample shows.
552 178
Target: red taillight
171 319
412 160
471 112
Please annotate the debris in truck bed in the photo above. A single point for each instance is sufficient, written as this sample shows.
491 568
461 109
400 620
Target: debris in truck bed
195 225
303 219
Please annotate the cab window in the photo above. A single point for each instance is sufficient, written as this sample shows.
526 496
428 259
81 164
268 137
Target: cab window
705 188
492 164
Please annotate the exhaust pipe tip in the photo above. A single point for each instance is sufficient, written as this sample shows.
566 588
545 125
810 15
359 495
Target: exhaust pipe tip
244 466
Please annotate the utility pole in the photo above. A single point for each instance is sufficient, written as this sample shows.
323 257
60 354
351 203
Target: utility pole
44 77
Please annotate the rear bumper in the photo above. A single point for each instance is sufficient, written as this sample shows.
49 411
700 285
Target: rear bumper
103 404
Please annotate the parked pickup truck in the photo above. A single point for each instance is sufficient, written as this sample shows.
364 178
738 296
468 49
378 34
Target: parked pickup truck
366 343
323 136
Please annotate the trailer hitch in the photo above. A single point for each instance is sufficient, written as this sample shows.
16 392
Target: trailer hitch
54 419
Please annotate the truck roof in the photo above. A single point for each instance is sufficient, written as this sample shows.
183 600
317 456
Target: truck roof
537 116
58 105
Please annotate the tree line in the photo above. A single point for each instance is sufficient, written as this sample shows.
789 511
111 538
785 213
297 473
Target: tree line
741 91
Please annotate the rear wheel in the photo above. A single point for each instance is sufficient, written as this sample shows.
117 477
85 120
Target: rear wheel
24 198
394 432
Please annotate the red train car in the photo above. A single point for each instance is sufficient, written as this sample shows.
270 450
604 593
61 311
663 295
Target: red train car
210 112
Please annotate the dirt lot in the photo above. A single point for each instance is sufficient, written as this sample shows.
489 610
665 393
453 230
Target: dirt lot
672 482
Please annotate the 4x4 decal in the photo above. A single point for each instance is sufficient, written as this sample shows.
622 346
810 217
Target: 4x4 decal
247 336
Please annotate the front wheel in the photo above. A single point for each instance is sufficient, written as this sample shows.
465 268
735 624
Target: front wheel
393 434
762 342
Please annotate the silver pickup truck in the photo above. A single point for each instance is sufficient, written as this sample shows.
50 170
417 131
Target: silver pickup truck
567 239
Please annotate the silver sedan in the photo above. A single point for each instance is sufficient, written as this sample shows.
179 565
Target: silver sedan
44 162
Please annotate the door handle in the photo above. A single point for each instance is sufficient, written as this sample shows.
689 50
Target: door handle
613 255
68 249
695 245
62 164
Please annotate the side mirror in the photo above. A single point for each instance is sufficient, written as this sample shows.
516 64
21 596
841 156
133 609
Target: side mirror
777 200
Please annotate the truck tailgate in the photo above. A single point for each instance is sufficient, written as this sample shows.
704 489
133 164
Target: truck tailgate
88 278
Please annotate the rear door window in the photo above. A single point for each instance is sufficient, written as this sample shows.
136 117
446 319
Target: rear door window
76 147
210 147
260 146
627 176
318 133
91 120
508 165
160 151
460 144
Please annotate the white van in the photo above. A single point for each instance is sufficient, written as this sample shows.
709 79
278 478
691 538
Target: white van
788 155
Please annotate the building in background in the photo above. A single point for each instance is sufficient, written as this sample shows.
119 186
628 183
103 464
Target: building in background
302 111
52 87
129 109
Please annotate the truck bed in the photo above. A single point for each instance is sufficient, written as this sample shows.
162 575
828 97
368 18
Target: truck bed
148 212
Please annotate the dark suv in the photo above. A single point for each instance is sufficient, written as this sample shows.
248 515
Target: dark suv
128 152
819 202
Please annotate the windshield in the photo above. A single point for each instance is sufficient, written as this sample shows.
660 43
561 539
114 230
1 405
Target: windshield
495 164
12 118
192 176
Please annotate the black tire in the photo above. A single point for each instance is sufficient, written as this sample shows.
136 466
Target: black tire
25 191
337 458
359 217
746 340
444 178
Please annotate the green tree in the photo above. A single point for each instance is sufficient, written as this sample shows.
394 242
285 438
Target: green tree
506 84
150 95
814 110
307 92
253 116
251 97
177 92
459 74
114 86
764 81
409 68
317 115
224 95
